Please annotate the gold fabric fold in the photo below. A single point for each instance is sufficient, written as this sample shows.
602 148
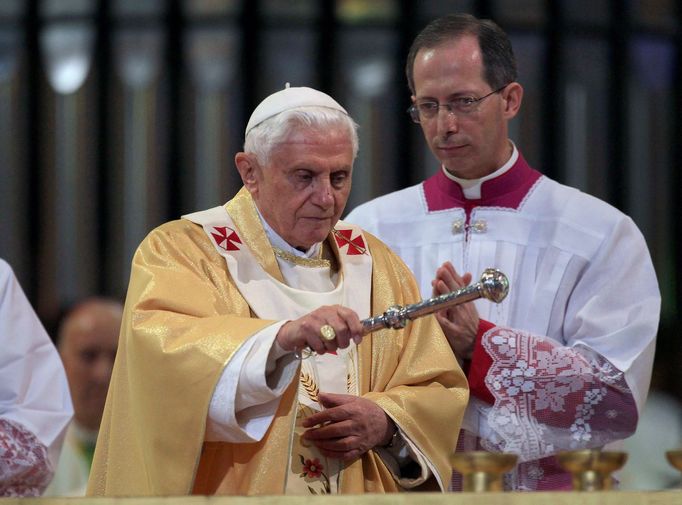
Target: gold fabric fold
183 321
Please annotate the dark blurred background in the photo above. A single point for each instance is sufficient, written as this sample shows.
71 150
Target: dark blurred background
117 115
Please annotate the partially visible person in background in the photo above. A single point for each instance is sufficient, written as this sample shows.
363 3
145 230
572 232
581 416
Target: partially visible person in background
87 340
35 407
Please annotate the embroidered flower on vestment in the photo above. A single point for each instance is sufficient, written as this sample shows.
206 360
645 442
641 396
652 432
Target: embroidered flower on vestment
312 468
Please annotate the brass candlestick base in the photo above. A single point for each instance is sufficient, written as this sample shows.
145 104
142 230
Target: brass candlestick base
591 468
482 471
675 458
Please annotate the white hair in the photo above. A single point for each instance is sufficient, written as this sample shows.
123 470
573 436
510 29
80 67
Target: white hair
261 139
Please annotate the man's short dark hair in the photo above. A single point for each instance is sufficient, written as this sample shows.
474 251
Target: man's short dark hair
499 64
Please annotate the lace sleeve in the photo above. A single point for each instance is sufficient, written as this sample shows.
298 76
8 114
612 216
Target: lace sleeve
25 468
550 397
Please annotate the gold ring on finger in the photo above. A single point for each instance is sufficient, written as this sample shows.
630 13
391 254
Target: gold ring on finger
327 333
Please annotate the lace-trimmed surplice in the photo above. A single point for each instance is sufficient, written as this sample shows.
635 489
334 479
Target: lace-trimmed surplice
25 469
564 362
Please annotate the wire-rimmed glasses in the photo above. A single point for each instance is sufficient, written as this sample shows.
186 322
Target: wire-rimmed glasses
428 109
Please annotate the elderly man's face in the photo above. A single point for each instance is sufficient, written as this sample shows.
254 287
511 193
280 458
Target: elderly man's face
88 344
303 190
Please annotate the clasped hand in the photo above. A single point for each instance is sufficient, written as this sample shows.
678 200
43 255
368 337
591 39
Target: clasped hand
459 322
348 427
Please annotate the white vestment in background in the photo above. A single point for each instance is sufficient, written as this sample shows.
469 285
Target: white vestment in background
35 405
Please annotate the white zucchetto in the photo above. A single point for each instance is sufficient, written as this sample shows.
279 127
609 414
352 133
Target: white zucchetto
290 98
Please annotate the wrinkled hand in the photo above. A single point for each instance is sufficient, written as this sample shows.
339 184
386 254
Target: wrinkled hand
459 322
349 427
305 331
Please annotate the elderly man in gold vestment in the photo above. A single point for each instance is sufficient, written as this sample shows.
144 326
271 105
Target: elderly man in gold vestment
242 366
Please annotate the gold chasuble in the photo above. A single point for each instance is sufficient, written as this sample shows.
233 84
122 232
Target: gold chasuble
185 318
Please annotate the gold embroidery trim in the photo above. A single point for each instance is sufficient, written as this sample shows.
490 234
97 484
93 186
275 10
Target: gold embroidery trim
304 262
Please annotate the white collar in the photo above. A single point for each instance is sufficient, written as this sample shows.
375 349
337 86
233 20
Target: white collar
280 243
472 187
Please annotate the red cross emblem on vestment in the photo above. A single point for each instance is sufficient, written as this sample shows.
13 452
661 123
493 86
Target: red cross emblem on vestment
355 245
226 240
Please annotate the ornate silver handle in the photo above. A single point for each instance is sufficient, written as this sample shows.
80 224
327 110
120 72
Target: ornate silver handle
493 285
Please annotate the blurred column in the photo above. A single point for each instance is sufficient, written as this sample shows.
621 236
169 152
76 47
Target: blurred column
290 48
650 154
432 9
584 92
139 140
367 99
530 50
371 91
211 131
14 222
68 144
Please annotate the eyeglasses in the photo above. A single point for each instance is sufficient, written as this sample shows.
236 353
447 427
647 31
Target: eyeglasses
423 111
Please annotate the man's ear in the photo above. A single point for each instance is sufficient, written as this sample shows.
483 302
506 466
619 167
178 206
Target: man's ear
513 96
247 166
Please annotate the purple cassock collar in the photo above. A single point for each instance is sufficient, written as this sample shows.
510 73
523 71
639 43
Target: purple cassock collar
508 190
